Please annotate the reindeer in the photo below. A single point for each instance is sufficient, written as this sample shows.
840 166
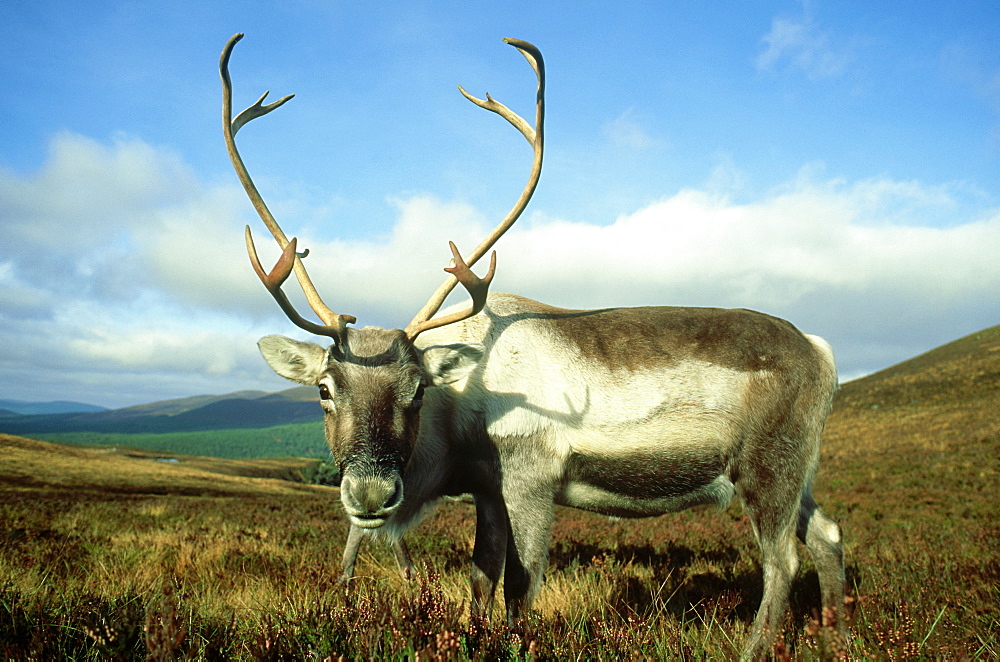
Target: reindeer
629 412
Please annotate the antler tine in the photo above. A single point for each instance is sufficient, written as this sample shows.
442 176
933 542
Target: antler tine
422 321
334 325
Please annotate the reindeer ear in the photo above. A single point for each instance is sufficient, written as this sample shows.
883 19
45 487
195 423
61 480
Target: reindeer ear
301 362
446 364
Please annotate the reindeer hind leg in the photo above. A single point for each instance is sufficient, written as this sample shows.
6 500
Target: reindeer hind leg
822 537
770 488
779 562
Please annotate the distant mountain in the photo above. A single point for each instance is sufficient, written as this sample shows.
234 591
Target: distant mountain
299 393
11 407
240 410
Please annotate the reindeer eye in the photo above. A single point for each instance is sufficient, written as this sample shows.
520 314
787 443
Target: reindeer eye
418 397
324 392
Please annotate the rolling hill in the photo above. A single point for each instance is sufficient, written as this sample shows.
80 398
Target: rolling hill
918 444
240 410
949 395
960 371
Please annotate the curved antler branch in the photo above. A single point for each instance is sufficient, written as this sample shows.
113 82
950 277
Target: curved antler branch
274 280
477 287
422 321
334 325
257 110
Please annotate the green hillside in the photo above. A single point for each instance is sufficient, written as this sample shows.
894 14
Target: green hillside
292 440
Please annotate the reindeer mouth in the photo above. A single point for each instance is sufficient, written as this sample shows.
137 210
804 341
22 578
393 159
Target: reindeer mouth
367 522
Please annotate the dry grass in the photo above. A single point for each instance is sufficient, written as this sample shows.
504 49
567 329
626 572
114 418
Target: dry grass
34 465
112 555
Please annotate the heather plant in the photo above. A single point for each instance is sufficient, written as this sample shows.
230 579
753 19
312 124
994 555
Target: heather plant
96 576
116 556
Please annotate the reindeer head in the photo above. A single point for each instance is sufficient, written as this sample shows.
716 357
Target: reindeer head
371 380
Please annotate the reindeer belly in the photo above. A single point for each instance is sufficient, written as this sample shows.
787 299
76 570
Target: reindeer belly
630 443
638 471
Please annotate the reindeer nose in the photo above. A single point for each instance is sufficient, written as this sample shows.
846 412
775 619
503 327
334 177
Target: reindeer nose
370 500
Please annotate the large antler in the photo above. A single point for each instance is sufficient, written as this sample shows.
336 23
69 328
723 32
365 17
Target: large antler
334 325
461 273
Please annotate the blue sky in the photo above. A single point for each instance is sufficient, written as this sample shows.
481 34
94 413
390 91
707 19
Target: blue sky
835 164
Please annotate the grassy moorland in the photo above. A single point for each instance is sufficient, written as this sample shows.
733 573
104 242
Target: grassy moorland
113 554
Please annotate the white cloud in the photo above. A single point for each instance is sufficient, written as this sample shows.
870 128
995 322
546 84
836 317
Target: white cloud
160 301
879 261
153 349
87 190
767 253
70 228
801 44
91 305
857 263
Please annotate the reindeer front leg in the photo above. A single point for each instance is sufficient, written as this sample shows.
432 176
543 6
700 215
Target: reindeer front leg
489 553
402 554
354 536
530 511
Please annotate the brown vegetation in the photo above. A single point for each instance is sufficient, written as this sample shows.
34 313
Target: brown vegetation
109 553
